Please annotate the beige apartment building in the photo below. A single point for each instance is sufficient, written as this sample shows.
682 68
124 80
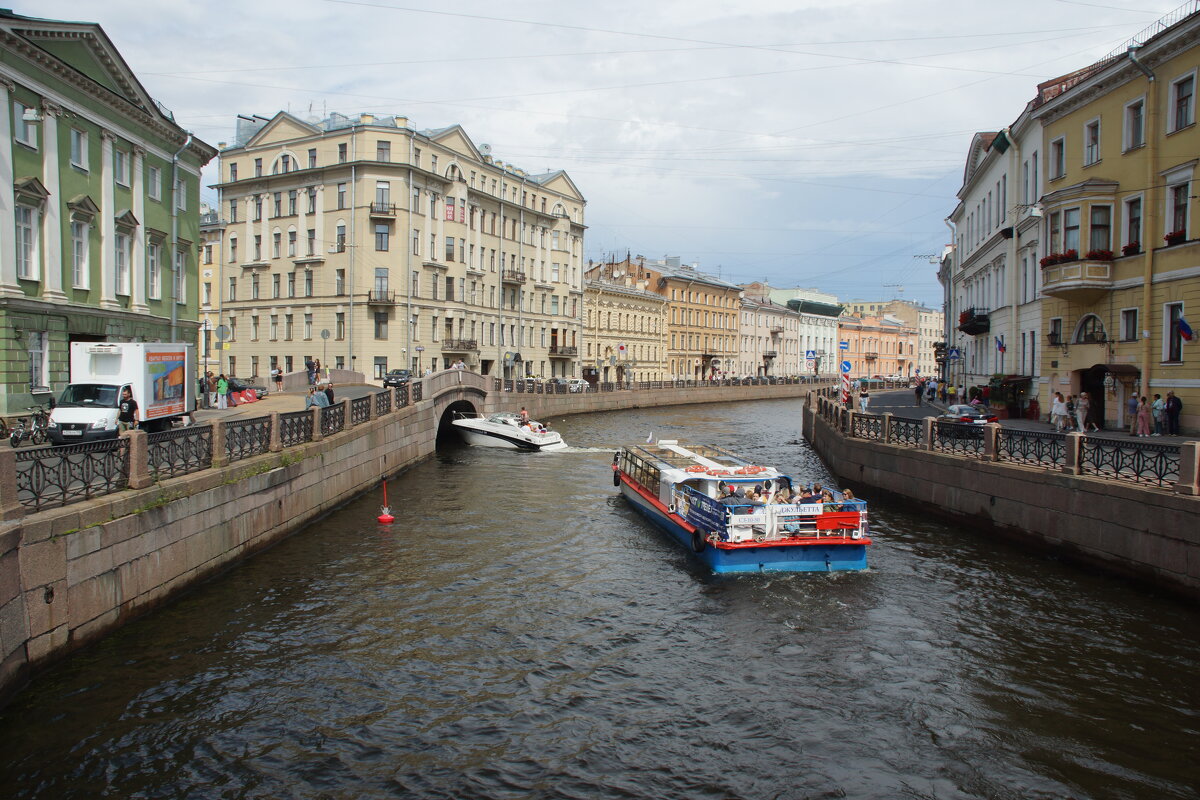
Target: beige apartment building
877 345
625 325
927 323
703 318
768 338
371 246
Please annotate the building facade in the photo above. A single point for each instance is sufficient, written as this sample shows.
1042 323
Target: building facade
879 346
368 245
702 325
928 323
768 336
625 326
1121 267
99 194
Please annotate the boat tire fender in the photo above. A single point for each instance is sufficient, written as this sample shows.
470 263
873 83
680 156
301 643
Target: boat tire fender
671 508
698 541
616 477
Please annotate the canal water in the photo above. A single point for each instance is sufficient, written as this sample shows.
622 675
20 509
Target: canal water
520 632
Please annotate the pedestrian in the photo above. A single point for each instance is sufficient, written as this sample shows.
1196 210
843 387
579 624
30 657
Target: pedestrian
222 391
315 398
864 399
1058 411
1070 412
524 416
1173 407
317 362
919 391
1143 418
212 390
277 374
127 410
1082 409
310 366
329 392
1158 412
1131 407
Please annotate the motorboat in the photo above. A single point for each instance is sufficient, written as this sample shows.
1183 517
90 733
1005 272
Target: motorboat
506 429
729 513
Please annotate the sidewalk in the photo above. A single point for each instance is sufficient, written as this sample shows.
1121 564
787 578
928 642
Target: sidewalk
284 402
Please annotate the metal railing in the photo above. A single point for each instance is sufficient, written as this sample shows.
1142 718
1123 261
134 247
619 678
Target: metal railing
360 410
170 454
906 431
958 437
867 426
295 427
48 477
247 437
1044 448
1141 462
333 419
383 403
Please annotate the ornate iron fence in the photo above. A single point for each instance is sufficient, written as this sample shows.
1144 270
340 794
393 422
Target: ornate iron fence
401 393
179 452
906 431
867 426
383 403
1141 462
418 392
247 437
295 427
1045 448
360 410
333 419
48 477
957 437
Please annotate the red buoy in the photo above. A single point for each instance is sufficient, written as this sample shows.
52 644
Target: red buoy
385 514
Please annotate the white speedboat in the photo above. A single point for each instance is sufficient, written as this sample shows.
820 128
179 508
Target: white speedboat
506 430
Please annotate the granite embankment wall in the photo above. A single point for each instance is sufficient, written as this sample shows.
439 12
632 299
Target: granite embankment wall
71 575
1147 533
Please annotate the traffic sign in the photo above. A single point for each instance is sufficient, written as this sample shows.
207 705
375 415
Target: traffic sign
843 345
953 354
810 354
846 367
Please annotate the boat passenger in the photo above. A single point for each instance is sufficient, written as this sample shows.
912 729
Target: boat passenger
784 496
524 416
729 496
828 502
849 501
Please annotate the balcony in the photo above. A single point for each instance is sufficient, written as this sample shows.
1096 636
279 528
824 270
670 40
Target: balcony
460 345
1084 281
974 321
563 351
381 297
769 354
379 209
776 330
1055 339
871 355
512 276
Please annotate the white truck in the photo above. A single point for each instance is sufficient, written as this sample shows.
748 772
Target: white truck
161 376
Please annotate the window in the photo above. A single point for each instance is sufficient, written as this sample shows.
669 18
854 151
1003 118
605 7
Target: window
1135 124
312 241
1177 208
308 283
291 250
340 233
257 247
312 199
80 274
258 167
154 183
79 151
39 359
1129 324
308 326
312 158
285 163
233 210
208 254
124 258
1133 221
381 237
257 207
383 195
292 195
383 151
342 153
25 130
339 325
1091 142
275 283
277 204
1183 98
1054 223
381 321
339 282
121 166
232 172
1090 330
291 285
1100 228
1057 167
154 270
28 224
416 242
181 194
449 248
254 286
233 249
1071 230
276 241
433 163
1172 339
1054 336
274 327
231 295
341 195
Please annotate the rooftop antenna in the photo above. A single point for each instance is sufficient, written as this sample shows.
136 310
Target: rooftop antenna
897 286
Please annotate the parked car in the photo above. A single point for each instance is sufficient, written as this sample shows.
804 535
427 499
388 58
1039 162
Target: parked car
577 385
975 415
397 377
241 385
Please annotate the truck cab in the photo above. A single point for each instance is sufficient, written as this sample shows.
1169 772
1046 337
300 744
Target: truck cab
85 412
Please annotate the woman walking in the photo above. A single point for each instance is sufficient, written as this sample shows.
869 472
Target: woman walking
1143 418
1058 412
222 391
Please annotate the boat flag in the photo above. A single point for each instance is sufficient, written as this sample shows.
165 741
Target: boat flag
1185 330
650 438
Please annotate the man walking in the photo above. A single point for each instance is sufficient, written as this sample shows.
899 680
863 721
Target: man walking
1173 408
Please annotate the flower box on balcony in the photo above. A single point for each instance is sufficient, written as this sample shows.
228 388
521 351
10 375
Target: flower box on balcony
1060 258
1099 255
1131 249
1175 237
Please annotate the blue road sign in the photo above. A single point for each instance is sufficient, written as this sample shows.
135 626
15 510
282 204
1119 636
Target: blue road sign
810 354
843 345
846 367
954 354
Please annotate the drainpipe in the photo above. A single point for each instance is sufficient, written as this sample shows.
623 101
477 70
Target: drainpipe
1150 206
175 237
948 293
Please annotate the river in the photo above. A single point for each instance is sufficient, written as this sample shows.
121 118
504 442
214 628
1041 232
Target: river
521 632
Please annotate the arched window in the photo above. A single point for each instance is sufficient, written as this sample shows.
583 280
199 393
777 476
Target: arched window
1090 330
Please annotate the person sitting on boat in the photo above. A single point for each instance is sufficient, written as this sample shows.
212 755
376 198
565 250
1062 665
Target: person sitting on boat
524 416
812 495
729 496
828 502
784 496
849 501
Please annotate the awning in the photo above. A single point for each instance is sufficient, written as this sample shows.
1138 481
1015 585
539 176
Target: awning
1120 369
1015 380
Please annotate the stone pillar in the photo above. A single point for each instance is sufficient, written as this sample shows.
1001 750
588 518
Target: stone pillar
849 426
138 257
316 415
886 433
1074 454
991 441
8 246
108 228
220 454
139 459
927 433
276 440
10 507
52 257
1189 469
347 422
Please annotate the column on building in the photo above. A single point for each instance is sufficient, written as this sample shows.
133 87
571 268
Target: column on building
139 235
108 275
52 281
8 244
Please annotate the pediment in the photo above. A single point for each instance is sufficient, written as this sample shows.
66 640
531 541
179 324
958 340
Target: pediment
455 138
126 219
83 206
560 182
283 127
31 188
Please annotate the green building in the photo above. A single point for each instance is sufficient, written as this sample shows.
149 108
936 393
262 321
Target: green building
99 207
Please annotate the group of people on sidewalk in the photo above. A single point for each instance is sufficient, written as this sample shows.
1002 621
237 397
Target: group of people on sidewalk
1160 414
1073 413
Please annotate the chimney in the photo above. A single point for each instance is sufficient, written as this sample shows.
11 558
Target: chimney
401 122
366 119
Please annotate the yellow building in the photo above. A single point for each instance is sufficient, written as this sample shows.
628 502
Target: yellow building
703 319
625 325
1122 261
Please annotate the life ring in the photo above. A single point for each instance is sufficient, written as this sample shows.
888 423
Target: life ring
856 533
697 468
697 541
717 472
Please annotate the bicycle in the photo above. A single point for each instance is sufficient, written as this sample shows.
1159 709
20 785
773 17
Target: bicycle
36 433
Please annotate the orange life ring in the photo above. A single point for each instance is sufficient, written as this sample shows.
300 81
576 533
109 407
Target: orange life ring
717 472
696 468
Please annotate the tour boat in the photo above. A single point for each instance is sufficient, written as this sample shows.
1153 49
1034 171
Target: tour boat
507 430
688 491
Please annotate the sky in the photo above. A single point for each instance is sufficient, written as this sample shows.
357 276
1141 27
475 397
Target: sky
803 142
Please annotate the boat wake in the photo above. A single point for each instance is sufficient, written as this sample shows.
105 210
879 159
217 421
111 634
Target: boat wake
570 449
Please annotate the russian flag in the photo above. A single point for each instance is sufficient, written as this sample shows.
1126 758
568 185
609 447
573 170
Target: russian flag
1000 345
1185 330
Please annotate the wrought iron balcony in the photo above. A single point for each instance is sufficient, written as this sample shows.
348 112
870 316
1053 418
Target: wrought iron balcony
459 345
871 355
770 353
379 209
974 321
563 350
512 276
380 297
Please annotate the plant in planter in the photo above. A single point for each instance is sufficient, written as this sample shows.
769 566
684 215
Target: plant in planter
1175 237
1051 260
1071 255
1099 255
1131 249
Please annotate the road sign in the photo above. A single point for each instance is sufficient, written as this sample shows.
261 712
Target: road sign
223 333
325 333
843 345
810 354
810 363
846 367
953 354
